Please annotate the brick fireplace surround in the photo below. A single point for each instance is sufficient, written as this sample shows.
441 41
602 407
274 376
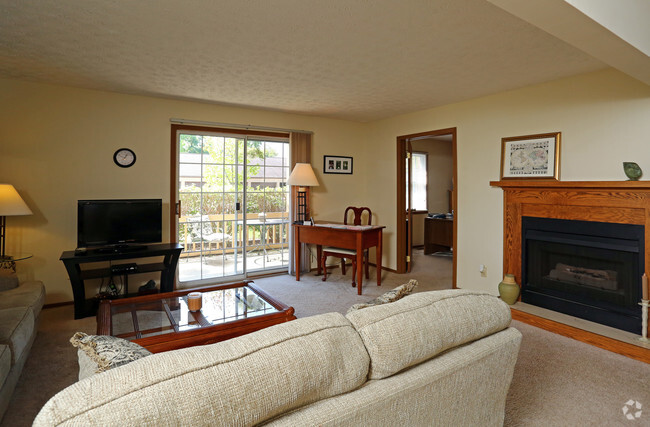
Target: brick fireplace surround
626 202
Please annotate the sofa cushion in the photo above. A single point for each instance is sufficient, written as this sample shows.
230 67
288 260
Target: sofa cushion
5 362
16 329
8 279
99 353
28 294
388 297
241 381
419 326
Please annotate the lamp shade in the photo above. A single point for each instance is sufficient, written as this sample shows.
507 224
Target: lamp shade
11 203
303 175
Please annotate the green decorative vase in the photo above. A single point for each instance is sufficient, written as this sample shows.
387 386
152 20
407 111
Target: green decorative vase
632 171
509 289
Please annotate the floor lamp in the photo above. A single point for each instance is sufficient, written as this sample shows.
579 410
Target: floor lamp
11 204
302 176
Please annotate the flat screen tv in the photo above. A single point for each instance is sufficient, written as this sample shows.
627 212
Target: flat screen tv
118 222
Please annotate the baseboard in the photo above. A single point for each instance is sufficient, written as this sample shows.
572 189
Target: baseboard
606 343
58 304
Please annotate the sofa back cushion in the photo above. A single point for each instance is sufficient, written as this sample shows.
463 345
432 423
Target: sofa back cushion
422 325
242 381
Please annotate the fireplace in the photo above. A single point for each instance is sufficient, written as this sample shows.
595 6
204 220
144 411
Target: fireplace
587 269
619 202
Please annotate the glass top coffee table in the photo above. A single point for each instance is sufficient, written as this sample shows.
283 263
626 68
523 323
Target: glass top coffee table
162 322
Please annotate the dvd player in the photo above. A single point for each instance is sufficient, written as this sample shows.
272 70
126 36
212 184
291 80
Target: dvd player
124 268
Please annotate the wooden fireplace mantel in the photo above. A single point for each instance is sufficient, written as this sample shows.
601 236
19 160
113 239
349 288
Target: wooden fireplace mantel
625 202
542 183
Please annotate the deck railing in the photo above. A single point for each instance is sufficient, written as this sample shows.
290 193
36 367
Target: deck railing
270 231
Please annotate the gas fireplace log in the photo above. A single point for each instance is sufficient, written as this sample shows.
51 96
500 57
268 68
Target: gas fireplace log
604 279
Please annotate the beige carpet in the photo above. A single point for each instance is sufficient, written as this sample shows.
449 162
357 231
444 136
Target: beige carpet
557 382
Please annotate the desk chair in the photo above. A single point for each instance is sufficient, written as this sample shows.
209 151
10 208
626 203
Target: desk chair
348 253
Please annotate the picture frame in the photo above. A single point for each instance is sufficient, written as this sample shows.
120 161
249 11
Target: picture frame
531 156
337 164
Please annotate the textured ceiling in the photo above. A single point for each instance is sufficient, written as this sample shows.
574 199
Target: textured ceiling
351 59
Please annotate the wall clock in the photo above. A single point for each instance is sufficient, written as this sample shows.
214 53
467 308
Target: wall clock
124 157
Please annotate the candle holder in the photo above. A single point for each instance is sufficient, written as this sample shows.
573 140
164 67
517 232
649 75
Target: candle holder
194 301
644 319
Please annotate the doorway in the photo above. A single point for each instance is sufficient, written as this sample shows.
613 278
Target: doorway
405 216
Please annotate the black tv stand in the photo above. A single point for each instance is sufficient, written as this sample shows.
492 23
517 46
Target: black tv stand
87 307
118 249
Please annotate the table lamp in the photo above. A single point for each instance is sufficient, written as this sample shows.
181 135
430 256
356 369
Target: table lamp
11 204
302 176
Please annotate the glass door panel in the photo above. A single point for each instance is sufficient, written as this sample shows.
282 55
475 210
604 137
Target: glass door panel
267 210
234 205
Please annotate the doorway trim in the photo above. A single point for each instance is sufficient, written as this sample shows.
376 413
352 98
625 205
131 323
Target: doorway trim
401 195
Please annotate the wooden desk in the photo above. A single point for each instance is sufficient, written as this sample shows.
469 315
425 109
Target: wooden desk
438 235
347 238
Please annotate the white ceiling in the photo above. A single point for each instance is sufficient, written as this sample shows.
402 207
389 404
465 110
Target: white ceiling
358 60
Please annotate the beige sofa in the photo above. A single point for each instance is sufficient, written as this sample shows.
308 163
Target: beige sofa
432 358
20 309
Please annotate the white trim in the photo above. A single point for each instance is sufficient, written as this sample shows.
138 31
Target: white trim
235 126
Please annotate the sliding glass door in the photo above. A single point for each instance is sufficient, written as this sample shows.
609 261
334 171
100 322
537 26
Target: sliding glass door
233 205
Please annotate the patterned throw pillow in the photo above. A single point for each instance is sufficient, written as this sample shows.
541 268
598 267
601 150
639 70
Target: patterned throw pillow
99 353
390 296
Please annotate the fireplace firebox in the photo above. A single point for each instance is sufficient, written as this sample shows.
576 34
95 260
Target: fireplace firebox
587 269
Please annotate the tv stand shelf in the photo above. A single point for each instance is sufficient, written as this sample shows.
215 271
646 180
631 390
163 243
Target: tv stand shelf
87 307
106 272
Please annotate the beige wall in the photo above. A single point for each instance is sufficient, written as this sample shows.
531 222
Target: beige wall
57 146
603 117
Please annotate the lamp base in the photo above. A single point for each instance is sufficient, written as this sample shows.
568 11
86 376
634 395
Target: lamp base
302 206
7 263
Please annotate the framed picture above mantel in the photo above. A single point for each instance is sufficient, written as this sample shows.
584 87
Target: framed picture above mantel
531 156
337 164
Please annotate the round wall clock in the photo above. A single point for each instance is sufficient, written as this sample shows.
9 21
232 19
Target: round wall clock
124 157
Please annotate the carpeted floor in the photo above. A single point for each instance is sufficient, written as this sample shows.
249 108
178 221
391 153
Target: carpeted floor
557 381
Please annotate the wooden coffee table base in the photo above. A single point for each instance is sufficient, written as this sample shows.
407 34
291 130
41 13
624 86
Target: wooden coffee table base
162 322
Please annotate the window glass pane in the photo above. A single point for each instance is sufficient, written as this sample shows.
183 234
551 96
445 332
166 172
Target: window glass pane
255 176
275 200
212 204
420 179
213 148
213 177
231 149
190 204
189 177
274 176
254 202
190 148
229 178
229 202
255 152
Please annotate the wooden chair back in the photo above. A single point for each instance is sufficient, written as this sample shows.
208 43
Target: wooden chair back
358 214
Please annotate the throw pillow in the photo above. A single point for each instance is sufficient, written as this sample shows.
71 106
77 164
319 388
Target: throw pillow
98 353
8 279
390 296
